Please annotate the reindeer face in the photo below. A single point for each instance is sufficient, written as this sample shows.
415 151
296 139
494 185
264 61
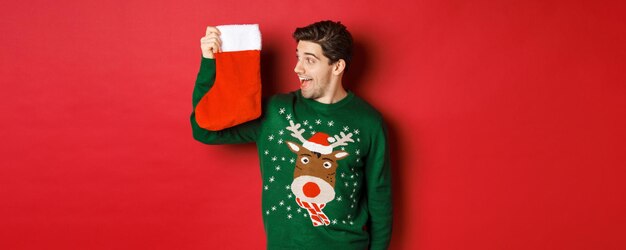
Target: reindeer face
311 163
314 174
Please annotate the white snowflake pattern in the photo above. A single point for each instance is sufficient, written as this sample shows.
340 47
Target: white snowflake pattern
281 132
292 160
289 196
282 158
280 141
339 198
274 158
334 221
287 187
358 159
343 221
304 214
288 117
346 128
266 152
299 210
273 208
281 111
289 216
266 187
310 127
357 152
351 176
358 139
343 175
305 122
312 132
267 212
288 208
270 138
346 184
271 179
356 131
355 183
331 123
318 121
277 167
351 223
281 203
343 148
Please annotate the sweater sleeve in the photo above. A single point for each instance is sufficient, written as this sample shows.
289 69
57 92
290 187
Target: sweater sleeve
378 185
246 132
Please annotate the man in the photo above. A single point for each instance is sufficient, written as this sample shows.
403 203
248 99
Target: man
323 151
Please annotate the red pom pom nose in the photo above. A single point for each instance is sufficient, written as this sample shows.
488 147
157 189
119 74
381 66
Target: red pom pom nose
311 189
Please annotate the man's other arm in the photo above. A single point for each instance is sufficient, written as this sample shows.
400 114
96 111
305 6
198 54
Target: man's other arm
378 185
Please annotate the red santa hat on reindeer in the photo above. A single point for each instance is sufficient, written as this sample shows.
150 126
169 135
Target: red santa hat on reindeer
320 142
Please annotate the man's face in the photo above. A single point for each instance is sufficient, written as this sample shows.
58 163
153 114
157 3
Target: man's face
313 69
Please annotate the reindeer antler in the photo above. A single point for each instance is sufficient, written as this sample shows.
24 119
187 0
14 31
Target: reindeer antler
341 141
297 133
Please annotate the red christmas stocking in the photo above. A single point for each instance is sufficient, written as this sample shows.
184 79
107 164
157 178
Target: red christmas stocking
235 97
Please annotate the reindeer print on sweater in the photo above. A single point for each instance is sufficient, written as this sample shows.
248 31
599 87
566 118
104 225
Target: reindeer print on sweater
317 151
314 174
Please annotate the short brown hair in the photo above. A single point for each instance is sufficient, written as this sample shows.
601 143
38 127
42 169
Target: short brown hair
333 37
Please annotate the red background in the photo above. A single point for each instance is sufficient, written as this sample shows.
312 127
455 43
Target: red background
506 122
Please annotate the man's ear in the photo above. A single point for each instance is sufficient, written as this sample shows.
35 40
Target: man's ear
339 67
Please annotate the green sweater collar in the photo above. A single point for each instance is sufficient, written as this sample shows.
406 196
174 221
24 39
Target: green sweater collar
323 107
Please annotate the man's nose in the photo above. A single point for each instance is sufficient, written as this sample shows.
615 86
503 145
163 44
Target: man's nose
298 69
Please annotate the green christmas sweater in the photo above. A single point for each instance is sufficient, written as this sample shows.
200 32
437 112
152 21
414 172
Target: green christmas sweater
325 168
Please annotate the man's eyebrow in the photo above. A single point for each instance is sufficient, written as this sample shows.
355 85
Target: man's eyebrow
308 53
311 54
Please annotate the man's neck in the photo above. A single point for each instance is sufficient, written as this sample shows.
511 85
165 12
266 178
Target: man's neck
333 96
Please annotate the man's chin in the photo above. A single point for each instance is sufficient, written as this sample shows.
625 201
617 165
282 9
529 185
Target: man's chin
307 94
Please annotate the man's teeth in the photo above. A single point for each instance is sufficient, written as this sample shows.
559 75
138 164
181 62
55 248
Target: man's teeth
305 79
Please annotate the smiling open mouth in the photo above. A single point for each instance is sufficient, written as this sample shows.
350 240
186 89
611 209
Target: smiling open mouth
304 81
